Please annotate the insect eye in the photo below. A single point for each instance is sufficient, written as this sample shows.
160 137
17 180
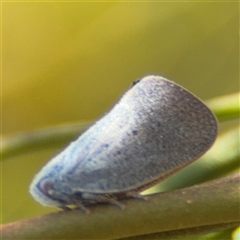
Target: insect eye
46 186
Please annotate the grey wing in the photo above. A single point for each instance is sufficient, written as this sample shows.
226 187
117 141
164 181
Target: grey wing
156 128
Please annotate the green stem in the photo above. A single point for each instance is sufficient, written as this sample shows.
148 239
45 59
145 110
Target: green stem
40 139
209 204
225 107
195 233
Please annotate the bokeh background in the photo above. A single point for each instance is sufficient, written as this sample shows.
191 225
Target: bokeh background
65 62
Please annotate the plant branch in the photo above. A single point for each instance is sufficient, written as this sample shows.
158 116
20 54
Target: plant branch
39 139
187 233
225 107
209 204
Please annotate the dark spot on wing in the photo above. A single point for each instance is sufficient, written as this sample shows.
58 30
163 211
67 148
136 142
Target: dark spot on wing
134 132
135 82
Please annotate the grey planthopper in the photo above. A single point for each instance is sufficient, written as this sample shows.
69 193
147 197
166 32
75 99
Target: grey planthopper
156 129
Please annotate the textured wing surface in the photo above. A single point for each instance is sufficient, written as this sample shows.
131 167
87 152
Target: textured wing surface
156 128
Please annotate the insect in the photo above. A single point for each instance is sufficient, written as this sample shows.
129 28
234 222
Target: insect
155 129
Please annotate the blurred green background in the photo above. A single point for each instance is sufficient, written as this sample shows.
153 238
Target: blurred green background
68 62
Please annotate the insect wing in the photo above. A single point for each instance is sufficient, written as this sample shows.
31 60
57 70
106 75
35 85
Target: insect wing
156 129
